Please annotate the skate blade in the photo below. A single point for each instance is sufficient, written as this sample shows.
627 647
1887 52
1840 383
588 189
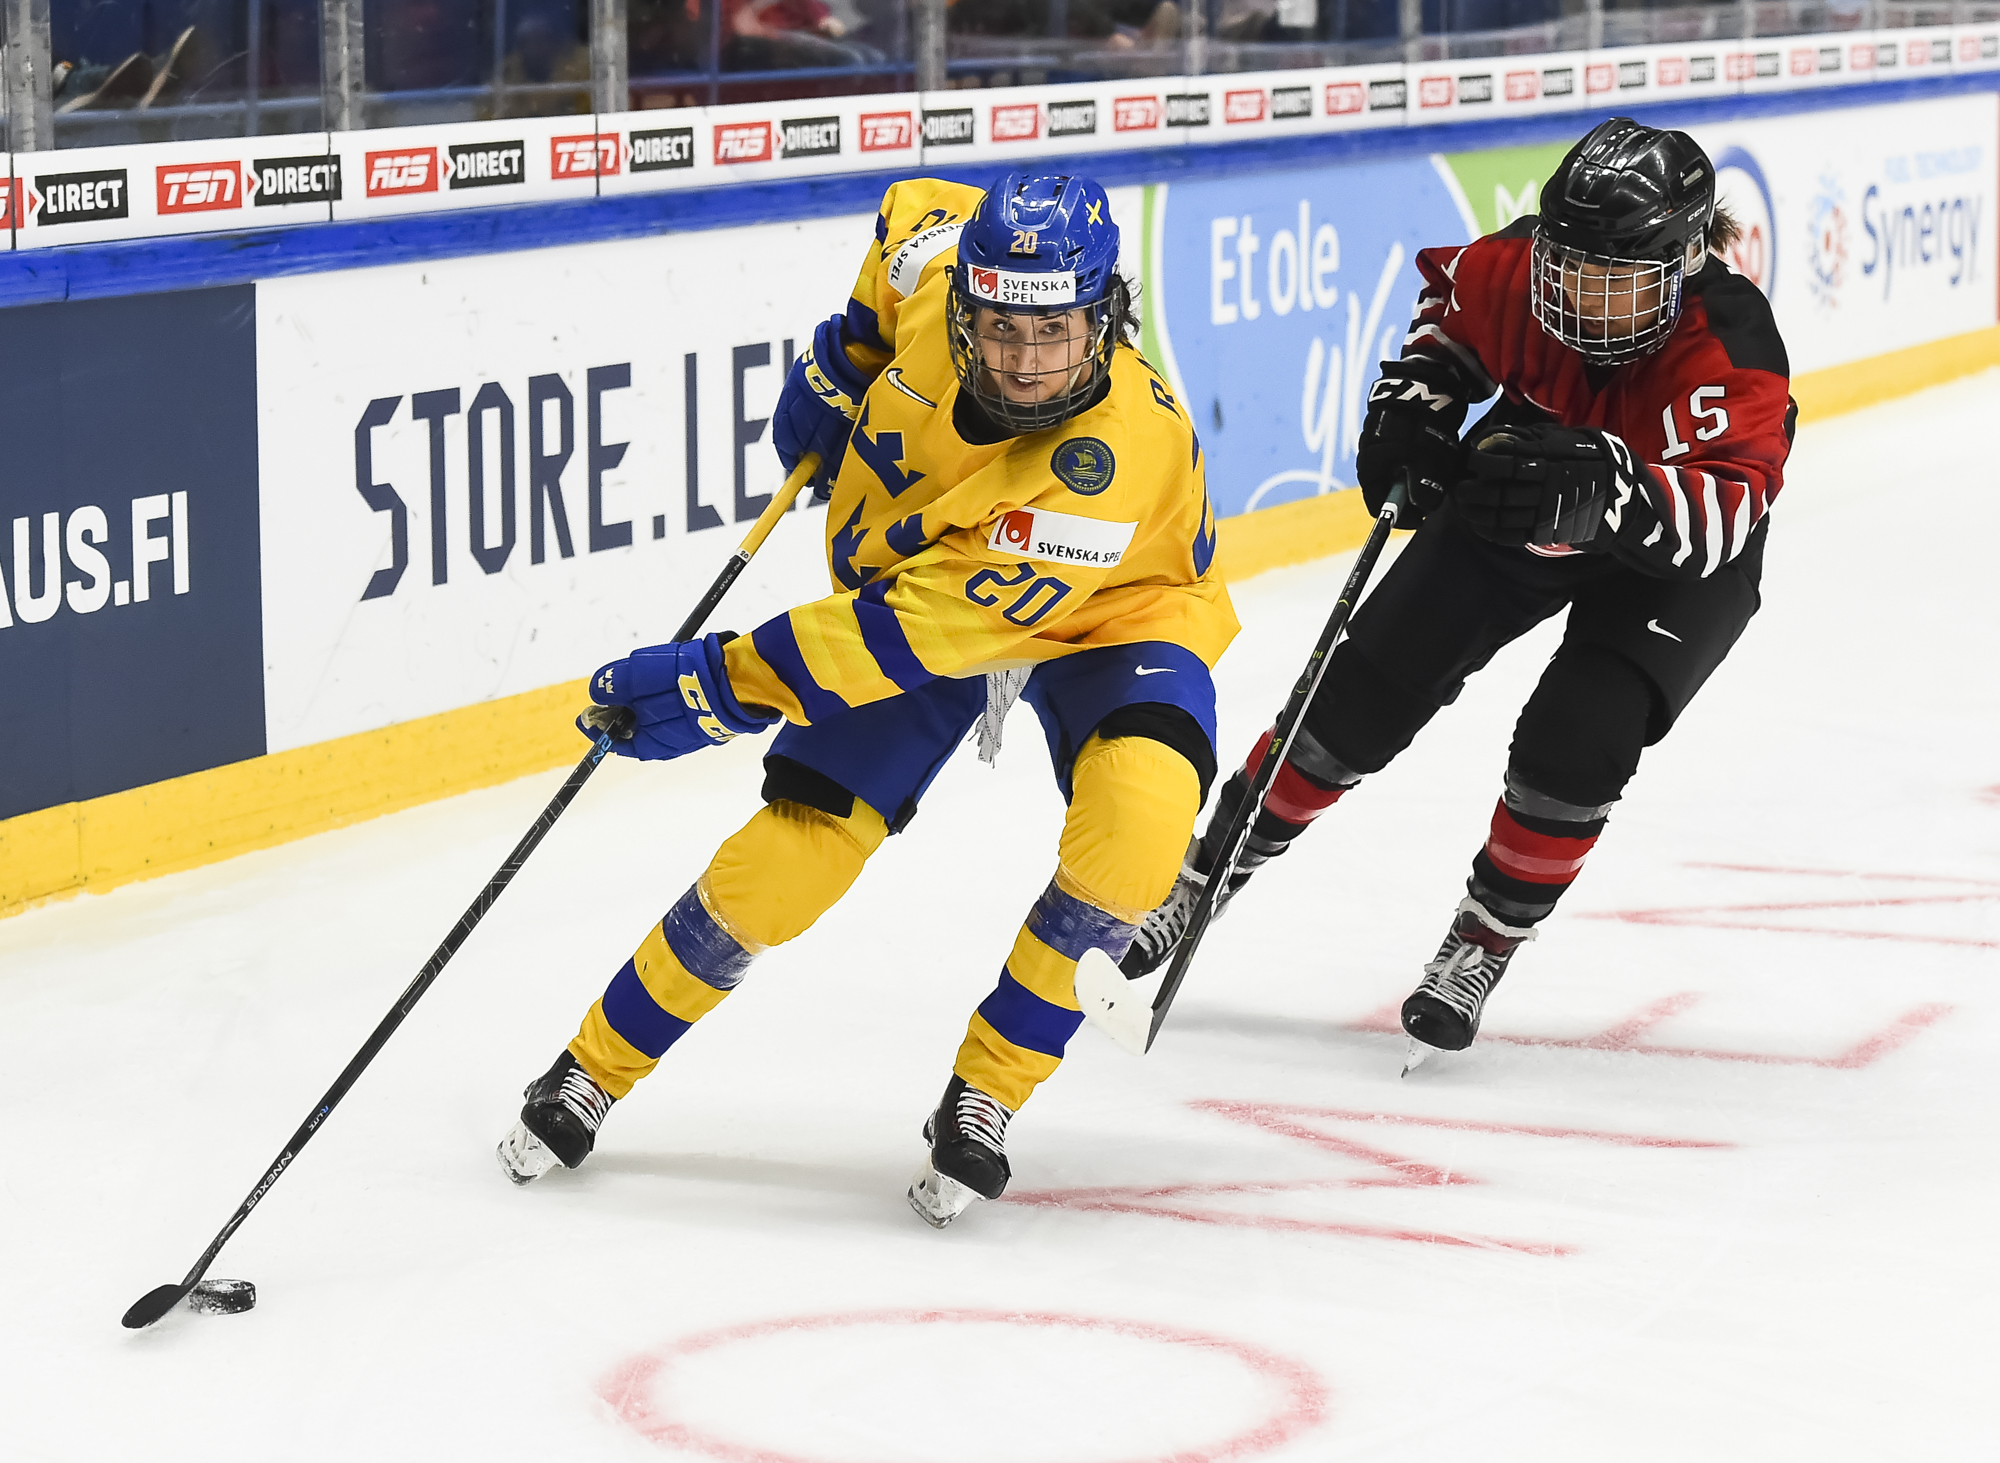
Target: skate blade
1416 1056
525 1157
938 1200
1122 1009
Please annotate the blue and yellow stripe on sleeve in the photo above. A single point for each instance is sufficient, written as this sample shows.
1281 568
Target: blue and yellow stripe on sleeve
821 659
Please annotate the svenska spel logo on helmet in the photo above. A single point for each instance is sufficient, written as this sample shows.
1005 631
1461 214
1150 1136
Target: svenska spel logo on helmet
1007 287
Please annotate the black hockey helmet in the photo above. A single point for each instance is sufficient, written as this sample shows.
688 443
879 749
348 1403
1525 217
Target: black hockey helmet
1624 218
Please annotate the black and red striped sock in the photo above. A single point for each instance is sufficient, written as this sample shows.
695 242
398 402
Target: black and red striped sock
1535 848
1311 781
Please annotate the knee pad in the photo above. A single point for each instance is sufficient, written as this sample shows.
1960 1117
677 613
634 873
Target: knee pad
1131 813
1580 735
1360 718
786 867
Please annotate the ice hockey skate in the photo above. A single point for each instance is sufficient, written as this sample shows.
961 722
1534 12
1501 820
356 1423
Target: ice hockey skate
558 1123
968 1157
1442 1013
1164 927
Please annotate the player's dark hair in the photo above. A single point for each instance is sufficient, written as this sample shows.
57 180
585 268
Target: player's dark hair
1125 310
1723 230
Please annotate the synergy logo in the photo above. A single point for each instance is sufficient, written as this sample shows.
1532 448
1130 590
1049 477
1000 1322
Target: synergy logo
295 180
1826 242
197 187
668 147
885 131
1135 114
584 156
1015 124
744 142
395 172
1007 287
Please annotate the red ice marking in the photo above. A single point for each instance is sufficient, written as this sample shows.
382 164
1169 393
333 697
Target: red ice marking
1288 1120
1623 1036
631 1389
1751 916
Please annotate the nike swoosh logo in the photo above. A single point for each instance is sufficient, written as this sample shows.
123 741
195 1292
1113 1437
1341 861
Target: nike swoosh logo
895 374
1153 670
1654 626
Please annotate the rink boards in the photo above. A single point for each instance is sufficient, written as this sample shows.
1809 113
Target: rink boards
283 554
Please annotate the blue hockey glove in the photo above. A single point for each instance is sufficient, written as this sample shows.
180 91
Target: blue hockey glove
819 405
680 696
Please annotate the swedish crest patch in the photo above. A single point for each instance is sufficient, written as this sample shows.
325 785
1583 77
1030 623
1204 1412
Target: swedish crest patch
1084 465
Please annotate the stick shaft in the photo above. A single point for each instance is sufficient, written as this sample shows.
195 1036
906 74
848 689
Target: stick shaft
1283 733
779 505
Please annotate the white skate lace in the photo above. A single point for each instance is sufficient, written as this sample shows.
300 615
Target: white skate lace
983 1118
1163 928
1003 689
1462 978
585 1098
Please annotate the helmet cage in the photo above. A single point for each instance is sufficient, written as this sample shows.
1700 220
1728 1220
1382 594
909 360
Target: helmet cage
1608 309
981 362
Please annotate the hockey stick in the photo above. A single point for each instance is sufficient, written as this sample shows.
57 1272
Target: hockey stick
154 1304
1116 1004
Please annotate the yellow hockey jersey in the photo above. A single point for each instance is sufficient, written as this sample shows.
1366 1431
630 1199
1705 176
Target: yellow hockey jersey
953 558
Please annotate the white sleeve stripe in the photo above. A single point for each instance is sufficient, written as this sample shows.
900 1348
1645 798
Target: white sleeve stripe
1677 505
1711 510
1464 357
1739 526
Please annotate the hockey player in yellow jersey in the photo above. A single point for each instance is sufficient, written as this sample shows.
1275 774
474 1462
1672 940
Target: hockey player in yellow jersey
1015 504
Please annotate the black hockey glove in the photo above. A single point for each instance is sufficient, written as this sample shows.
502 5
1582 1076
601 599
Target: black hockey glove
1415 409
1544 485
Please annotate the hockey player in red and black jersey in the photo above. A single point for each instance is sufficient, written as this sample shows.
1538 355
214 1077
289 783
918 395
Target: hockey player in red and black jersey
1624 473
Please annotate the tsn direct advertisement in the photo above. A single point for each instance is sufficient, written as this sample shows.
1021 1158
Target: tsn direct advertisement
227 185
392 492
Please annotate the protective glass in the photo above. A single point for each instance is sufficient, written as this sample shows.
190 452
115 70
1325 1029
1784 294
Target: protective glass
1607 309
1031 369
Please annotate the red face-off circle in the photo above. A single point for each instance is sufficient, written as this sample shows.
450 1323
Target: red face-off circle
1295 1399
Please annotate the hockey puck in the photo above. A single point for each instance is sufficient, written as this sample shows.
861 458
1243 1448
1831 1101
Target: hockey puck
222 1297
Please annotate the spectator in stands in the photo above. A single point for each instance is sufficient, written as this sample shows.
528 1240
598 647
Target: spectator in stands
543 54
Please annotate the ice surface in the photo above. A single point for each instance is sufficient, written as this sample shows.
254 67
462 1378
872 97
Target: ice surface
1716 1182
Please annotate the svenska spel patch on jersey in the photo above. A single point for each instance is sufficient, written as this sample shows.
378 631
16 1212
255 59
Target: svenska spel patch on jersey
1011 287
917 251
1084 465
1063 538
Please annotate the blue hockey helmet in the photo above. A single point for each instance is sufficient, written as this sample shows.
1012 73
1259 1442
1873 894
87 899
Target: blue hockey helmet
1037 306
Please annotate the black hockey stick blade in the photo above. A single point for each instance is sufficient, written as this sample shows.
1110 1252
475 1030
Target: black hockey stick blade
1283 734
155 1304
